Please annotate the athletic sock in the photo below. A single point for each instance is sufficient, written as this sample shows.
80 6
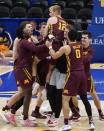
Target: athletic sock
66 121
36 109
5 108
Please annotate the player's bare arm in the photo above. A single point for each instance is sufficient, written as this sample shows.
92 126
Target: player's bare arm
63 50
51 20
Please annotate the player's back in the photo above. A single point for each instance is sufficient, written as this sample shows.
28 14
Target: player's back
75 58
58 29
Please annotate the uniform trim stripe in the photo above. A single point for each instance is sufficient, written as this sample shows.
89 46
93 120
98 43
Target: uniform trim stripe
68 71
28 74
92 85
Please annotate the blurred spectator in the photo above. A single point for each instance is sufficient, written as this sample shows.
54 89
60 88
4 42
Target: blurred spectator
5 42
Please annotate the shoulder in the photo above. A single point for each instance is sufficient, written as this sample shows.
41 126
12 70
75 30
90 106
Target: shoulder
23 41
90 48
16 39
52 20
66 49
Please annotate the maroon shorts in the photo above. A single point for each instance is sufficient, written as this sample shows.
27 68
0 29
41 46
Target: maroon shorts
90 85
75 84
23 77
56 47
42 70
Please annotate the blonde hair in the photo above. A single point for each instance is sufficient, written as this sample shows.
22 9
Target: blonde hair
56 8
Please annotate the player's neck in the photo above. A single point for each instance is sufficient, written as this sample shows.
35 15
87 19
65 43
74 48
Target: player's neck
58 16
86 46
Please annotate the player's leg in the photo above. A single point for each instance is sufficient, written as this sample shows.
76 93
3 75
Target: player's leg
73 103
83 96
36 111
97 104
91 89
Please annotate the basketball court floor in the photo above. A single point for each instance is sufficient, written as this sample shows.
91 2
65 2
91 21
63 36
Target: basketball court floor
9 88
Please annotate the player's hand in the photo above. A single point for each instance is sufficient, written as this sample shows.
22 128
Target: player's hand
34 40
64 42
48 43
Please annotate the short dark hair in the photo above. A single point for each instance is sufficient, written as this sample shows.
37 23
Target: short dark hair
87 33
19 32
23 23
72 34
42 23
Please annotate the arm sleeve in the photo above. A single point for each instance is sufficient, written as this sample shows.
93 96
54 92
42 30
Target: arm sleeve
89 56
34 48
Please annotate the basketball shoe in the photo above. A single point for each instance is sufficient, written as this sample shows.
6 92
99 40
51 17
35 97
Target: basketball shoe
10 117
28 123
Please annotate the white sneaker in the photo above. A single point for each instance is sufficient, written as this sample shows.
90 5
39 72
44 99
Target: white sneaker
65 128
30 118
91 125
2 115
52 123
45 106
35 87
28 123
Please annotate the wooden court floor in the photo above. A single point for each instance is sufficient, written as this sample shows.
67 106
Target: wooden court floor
82 125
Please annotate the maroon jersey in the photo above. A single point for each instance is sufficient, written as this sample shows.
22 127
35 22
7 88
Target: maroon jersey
41 40
75 82
23 64
75 58
58 29
25 52
88 53
42 66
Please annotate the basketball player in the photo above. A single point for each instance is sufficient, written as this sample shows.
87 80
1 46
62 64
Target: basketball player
56 84
42 70
55 26
76 79
88 53
23 66
12 102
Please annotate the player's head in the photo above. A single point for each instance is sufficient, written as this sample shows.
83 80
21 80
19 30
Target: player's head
55 10
86 38
24 31
33 23
72 34
42 27
67 29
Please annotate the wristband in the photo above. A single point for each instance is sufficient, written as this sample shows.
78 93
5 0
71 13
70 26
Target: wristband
50 47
